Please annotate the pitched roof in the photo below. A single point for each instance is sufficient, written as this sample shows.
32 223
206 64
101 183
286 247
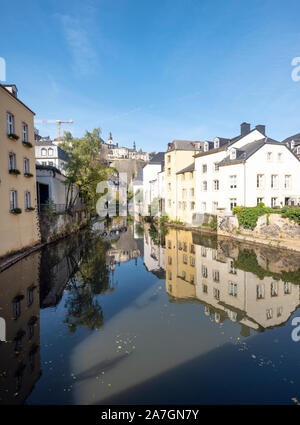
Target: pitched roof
296 138
7 91
184 145
158 158
242 154
189 168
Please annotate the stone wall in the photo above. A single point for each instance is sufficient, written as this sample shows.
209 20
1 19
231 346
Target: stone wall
273 230
56 225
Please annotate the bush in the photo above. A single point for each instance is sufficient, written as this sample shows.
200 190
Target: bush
247 216
292 213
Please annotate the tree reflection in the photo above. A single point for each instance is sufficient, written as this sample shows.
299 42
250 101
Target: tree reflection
91 279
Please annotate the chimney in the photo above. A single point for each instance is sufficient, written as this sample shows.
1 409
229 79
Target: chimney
261 128
245 128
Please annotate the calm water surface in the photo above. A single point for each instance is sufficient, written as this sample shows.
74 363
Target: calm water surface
149 317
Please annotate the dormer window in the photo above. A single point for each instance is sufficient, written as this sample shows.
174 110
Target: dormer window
217 144
298 150
205 147
233 154
292 144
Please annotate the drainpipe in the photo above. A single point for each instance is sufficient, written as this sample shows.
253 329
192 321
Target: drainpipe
244 184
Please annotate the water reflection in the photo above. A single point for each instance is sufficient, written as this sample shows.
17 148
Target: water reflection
127 307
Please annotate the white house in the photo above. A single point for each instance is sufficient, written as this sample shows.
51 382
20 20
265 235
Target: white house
150 172
48 153
245 170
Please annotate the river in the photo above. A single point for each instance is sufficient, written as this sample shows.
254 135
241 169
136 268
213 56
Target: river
150 317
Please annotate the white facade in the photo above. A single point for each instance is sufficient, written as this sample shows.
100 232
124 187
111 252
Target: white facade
269 175
150 172
50 154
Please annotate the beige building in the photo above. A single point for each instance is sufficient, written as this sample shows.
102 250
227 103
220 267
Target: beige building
18 216
186 194
180 154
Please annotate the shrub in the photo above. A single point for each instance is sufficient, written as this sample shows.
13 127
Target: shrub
13 136
292 213
16 211
247 216
14 171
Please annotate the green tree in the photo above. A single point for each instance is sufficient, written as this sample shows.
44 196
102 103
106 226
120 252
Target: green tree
84 168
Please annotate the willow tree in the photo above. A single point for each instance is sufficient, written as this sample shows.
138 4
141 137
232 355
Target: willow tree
84 170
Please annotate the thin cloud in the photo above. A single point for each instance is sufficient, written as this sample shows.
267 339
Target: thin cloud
84 56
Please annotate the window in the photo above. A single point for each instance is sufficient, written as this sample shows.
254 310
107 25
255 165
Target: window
10 123
274 181
204 186
216 144
205 288
50 152
30 291
259 200
44 152
179 245
269 313
232 269
287 288
259 292
24 132
233 289
169 203
274 289
169 244
204 271
169 158
179 205
233 182
279 311
216 275
192 206
279 156
13 200
206 147
203 251
192 192
169 186
232 203
204 168
192 249
216 184
192 279
192 261
233 153
273 202
216 166
183 275
184 205
26 165
183 177
269 156
185 247
260 181
27 200
287 181
170 275
170 260
203 206
17 307
50 163
184 193
215 254
185 259
12 161
215 206
216 293
44 163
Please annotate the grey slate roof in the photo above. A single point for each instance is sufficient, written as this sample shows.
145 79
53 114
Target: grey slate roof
243 153
184 145
296 138
158 158
189 168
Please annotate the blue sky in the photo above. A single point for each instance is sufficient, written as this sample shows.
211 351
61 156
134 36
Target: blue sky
155 70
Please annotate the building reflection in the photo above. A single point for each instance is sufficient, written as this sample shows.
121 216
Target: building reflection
250 286
20 330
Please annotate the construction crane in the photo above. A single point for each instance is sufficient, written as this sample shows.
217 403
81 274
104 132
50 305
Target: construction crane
58 122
